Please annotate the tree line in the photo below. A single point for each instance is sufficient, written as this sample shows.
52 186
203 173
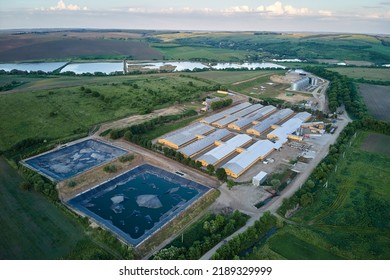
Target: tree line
202 237
249 238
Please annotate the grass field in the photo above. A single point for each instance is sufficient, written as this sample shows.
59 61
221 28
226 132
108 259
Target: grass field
377 143
375 74
231 77
201 53
65 111
377 99
31 226
349 219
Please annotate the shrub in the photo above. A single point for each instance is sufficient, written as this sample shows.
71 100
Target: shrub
110 168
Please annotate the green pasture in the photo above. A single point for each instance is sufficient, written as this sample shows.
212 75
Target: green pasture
231 77
66 111
349 217
375 74
202 53
31 226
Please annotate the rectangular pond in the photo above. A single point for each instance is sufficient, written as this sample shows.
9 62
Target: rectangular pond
138 202
73 159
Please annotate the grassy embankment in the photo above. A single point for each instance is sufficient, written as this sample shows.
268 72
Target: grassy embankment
348 219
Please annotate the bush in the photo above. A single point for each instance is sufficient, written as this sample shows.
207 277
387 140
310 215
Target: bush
72 184
126 158
110 168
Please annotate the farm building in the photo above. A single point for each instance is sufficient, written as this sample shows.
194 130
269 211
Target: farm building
241 163
240 124
275 118
300 84
224 113
259 178
224 150
186 135
287 129
225 121
247 110
198 146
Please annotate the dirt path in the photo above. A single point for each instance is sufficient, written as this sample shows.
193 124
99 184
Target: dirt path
138 119
249 80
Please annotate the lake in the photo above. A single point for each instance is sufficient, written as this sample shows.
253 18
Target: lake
44 66
104 67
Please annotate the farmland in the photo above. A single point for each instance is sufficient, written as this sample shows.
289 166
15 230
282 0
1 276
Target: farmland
55 46
374 74
74 110
377 99
377 143
348 219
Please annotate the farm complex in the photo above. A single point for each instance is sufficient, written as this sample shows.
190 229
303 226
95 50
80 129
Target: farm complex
237 138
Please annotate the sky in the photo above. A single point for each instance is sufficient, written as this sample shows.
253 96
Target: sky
354 16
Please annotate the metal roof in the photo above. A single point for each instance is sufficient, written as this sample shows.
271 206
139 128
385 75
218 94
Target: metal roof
273 119
260 176
226 112
247 110
254 116
225 149
304 116
188 133
203 143
287 128
225 121
252 154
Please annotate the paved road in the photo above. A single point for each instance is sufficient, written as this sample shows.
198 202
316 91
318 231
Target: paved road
274 205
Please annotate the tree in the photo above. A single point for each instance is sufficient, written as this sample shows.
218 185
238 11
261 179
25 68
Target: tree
221 174
210 169
275 183
306 199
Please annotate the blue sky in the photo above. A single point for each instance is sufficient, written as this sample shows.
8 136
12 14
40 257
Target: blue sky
360 16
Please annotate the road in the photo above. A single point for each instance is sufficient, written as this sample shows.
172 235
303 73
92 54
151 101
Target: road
274 204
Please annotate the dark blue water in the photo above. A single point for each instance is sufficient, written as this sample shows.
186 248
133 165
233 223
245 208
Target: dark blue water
120 207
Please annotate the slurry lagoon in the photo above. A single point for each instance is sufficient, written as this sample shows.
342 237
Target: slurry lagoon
74 159
138 202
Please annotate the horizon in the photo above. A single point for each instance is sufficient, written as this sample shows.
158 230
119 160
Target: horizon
356 17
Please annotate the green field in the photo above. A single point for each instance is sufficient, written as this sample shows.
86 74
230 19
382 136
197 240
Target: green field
374 74
305 46
73 110
31 226
231 77
350 218
200 53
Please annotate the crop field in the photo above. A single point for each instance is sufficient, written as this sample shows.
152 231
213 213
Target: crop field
349 218
377 143
74 110
51 46
200 53
377 99
374 74
31 226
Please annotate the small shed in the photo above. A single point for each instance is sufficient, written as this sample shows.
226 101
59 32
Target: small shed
259 178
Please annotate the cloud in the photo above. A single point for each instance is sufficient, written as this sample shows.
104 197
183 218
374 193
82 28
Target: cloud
61 6
325 13
276 9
